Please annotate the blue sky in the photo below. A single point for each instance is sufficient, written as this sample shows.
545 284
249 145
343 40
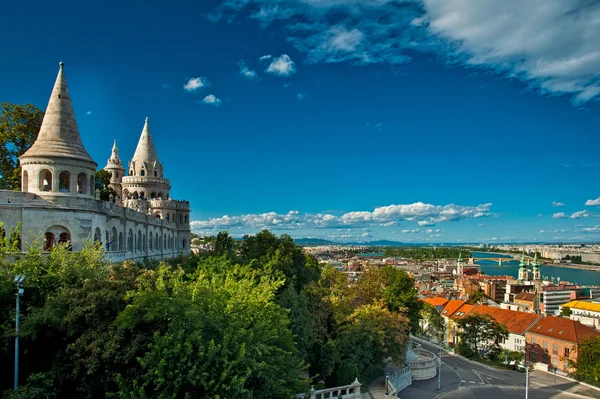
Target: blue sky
414 120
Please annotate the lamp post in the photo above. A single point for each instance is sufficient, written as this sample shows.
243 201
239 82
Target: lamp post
526 380
440 371
19 280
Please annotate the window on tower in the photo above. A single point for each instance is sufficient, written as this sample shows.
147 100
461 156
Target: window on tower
155 174
143 172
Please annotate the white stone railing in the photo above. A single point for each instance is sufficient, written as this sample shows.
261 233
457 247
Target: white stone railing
115 256
399 379
351 391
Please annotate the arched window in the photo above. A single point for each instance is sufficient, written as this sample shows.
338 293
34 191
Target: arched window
164 241
131 172
82 183
144 243
48 241
116 175
187 219
25 181
130 241
167 218
97 235
160 243
183 244
159 195
152 195
139 241
92 185
180 218
143 172
45 180
156 245
157 215
64 181
135 195
114 240
120 241
155 174
65 239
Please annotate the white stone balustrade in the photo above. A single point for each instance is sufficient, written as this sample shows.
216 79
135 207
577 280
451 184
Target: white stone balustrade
351 391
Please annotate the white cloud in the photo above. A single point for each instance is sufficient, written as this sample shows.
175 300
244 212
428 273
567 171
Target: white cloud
580 214
247 72
88 113
481 225
165 86
557 204
551 45
559 215
380 216
425 223
595 229
302 96
593 202
194 84
211 99
280 66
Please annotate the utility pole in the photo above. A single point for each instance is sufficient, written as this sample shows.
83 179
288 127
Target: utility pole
19 280
526 381
440 371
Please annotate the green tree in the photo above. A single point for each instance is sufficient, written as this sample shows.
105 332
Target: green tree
565 311
432 323
587 365
102 184
371 334
477 297
395 288
19 127
224 244
480 332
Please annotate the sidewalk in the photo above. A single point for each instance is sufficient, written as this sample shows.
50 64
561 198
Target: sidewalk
377 389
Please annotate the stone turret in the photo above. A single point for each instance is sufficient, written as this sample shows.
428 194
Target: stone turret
115 167
145 178
58 163
523 271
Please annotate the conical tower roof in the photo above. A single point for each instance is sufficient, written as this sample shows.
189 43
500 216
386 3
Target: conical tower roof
145 151
59 134
114 159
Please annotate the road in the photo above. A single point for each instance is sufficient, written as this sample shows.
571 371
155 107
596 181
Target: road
462 378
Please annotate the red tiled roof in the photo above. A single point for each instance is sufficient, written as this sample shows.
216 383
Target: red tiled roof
435 301
563 329
525 296
464 310
451 307
515 322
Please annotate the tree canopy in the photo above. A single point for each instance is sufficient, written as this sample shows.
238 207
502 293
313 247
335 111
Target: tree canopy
237 323
19 127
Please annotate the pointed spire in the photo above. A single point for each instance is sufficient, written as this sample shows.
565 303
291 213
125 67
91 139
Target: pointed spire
460 256
59 134
523 264
114 157
145 151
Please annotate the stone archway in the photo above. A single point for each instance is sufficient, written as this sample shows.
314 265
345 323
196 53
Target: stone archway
45 180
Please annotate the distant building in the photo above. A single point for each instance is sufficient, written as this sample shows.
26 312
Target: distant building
585 311
554 296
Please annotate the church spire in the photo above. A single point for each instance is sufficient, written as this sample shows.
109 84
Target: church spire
59 135
114 156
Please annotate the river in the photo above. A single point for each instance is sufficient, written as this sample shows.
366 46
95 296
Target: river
511 268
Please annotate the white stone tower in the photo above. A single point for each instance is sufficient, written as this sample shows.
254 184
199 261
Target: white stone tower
115 167
523 271
145 178
536 269
57 164
460 265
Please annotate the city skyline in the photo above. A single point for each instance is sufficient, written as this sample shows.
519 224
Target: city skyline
347 120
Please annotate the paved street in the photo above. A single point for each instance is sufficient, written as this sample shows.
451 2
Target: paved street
462 378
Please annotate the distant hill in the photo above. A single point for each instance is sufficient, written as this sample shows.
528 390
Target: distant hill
314 241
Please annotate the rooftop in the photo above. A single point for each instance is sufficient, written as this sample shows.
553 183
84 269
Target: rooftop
583 305
563 329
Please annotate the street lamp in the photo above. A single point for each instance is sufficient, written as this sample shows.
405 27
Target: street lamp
19 280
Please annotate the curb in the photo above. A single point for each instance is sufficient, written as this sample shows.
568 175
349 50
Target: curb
443 394
572 379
